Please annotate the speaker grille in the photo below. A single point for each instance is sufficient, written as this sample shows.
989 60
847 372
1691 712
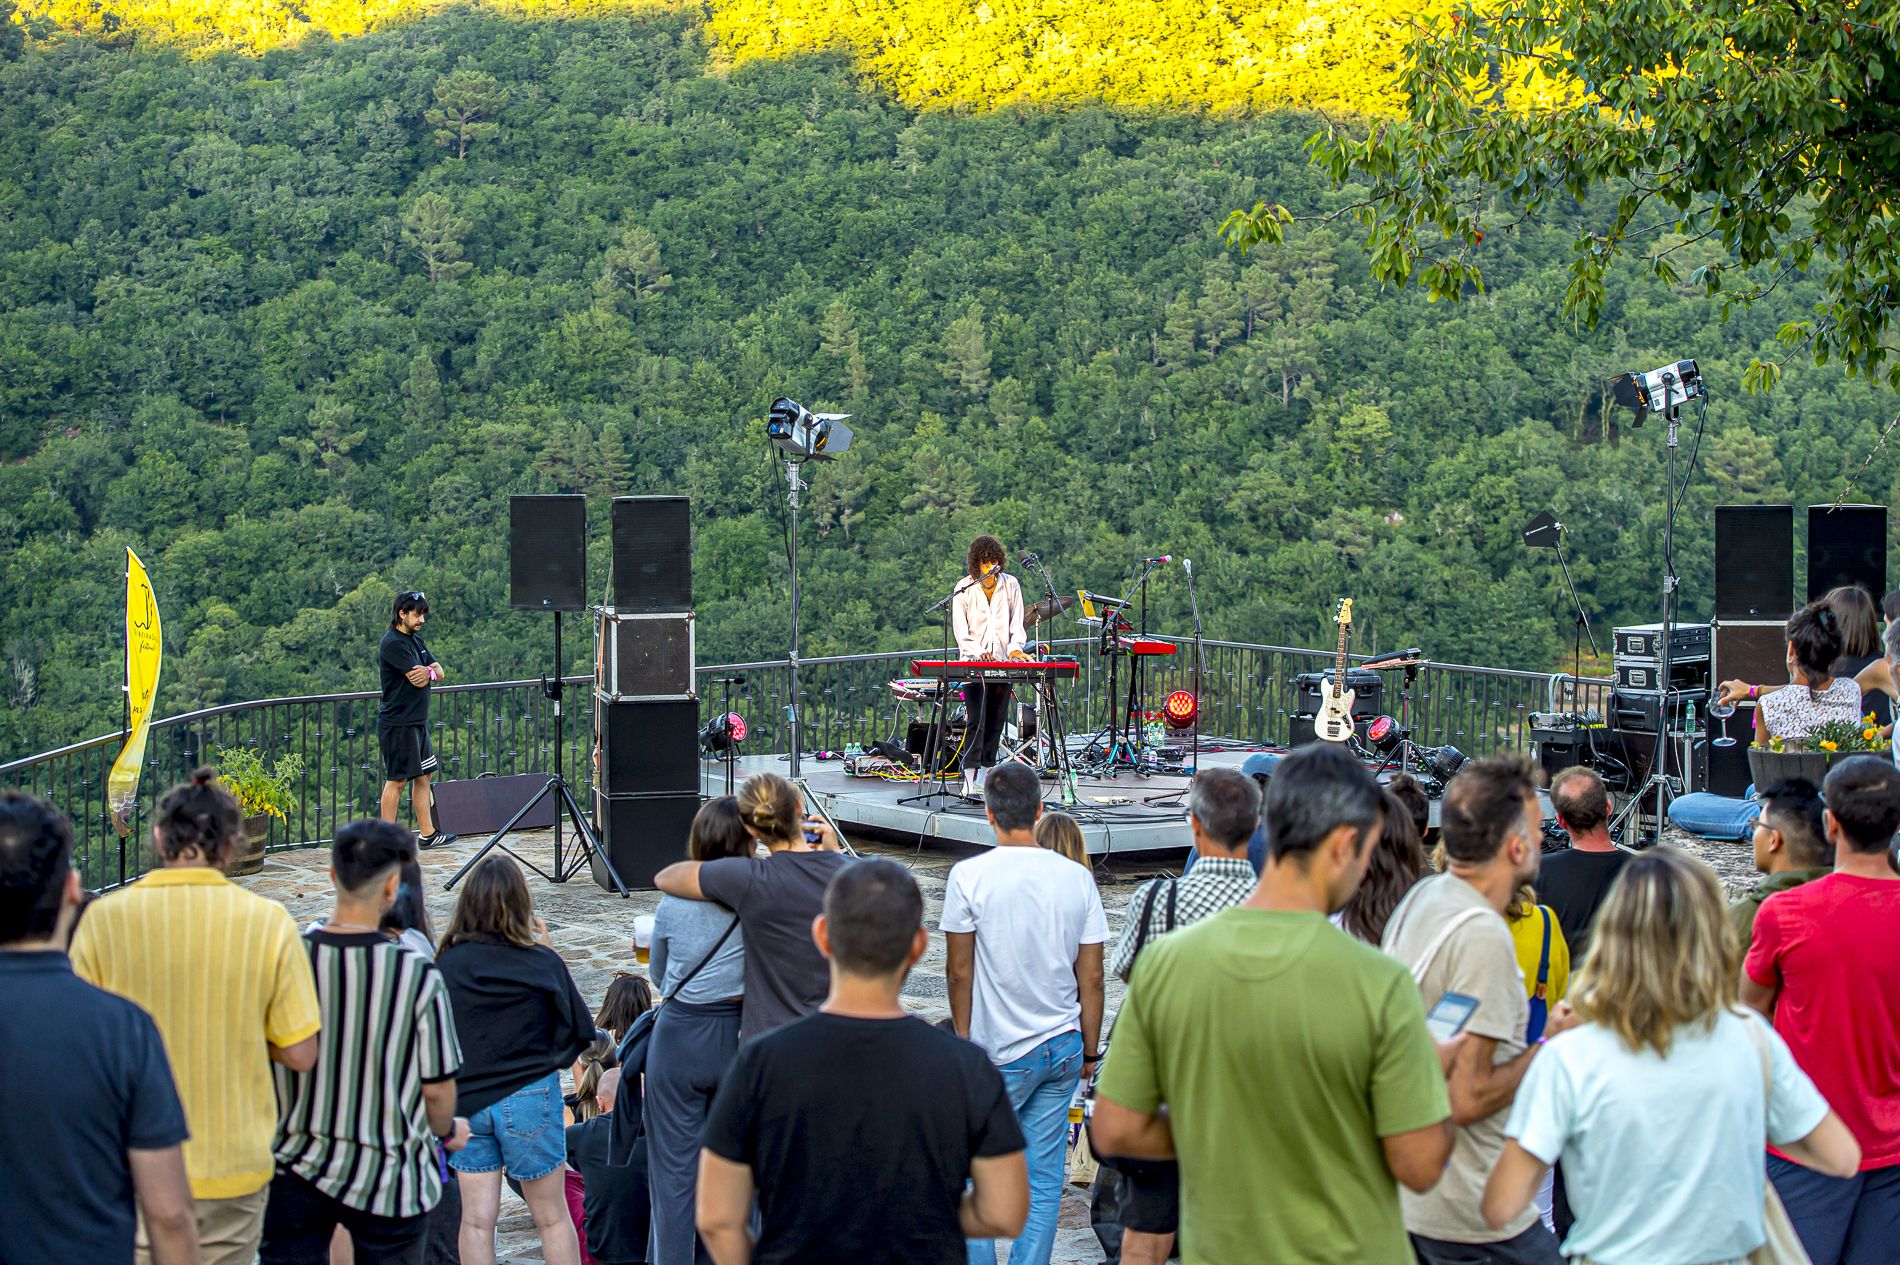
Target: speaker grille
647 748
1847 546
646 656
653 553
1754 561
547 553
641 836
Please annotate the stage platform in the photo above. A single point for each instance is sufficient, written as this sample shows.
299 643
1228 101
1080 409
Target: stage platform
1108 826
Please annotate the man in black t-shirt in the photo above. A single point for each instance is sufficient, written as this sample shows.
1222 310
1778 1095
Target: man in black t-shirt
1574 882
402 722
821 1115
91 1129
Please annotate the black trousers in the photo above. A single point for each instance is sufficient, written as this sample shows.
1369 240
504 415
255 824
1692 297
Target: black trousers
988 708
692 1043
300 1219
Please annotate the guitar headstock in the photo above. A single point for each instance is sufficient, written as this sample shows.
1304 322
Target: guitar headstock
1343 616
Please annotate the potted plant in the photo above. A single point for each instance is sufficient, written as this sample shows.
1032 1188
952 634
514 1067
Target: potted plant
1811 757
261 793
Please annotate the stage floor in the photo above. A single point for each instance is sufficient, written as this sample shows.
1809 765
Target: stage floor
1113 811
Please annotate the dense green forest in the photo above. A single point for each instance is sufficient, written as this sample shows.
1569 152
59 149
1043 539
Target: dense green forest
295 326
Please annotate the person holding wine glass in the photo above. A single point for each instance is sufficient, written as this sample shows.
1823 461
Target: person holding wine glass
1813 697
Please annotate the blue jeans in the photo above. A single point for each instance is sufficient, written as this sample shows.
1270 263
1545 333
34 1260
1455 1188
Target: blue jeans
1841 1220
1715 816
523 1134
1040 1085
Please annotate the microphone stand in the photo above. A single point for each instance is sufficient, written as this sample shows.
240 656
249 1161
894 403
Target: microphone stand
1052 731
1194 608
939 712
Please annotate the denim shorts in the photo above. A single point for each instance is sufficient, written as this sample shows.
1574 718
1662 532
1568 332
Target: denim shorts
524 1134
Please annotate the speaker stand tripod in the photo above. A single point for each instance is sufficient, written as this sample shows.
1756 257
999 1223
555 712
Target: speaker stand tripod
556 785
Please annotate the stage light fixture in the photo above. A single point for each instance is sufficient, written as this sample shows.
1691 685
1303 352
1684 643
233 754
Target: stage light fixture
1441 762
722 732
1663 390
1385 734
1180 709
805 435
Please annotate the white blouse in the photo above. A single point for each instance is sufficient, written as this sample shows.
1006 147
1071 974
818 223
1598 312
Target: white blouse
1794 711
988 626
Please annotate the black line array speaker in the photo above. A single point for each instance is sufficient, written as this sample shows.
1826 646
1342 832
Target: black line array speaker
642 834
1847 546
547 553
653 553
1754 561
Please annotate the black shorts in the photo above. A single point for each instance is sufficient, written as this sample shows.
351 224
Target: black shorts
406 751
1150 1195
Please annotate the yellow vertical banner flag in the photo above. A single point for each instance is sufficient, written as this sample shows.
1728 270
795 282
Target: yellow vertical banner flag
143 653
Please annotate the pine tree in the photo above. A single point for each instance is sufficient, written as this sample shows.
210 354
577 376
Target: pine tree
434 231
422 392
634 265
464 99
968 354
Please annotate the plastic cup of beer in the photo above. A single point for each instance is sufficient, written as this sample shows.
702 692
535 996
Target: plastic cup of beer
642 938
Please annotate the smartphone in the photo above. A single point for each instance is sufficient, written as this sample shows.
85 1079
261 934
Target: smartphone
1450 1015
812 836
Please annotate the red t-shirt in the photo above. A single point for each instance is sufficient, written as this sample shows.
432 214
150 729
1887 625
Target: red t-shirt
1832 947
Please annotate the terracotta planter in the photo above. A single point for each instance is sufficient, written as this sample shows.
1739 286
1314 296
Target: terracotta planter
251 859
1768 767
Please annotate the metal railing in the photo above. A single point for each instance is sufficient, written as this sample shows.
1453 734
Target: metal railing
1248 693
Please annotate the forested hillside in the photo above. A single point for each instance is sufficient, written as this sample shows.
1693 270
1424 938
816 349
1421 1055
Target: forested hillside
294 326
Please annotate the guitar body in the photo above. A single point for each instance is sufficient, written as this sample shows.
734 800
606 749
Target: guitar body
1334 722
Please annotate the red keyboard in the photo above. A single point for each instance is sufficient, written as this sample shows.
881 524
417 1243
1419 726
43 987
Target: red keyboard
996 669
1143 645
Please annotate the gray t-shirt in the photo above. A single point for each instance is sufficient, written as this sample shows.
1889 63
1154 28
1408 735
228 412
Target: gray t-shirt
776 898
684 931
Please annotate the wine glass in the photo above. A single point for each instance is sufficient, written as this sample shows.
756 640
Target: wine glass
1720 712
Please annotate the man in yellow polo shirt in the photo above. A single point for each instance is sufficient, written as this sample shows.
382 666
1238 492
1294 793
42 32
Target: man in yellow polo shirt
225 976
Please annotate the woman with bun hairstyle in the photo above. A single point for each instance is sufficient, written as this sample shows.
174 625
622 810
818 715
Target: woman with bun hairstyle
775 896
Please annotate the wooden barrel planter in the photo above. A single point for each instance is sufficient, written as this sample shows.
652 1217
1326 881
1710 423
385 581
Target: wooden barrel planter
250 859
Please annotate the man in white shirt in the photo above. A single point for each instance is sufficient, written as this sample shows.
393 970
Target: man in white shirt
1024 932
987 617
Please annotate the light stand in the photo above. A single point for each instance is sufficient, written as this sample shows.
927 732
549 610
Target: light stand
1194 609
1545 532
729 757
1660 783
794 484
556 784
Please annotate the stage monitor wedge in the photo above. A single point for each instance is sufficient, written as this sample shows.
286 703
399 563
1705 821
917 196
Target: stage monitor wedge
1847 546
547 553
1754 562
653 554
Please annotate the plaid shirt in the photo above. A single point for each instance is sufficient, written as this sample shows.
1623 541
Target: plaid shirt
1214 884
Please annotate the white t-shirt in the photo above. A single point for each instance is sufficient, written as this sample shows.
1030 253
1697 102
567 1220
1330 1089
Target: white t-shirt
1607 1111
1031 910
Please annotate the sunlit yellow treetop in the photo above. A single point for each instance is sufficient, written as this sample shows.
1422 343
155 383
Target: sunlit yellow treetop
1244 55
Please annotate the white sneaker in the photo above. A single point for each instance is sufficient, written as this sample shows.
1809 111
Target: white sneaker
982 776
970 784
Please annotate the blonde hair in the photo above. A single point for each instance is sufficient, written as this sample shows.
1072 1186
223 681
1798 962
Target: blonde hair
1062 833
1663 952
1523 903
770 805
595 1060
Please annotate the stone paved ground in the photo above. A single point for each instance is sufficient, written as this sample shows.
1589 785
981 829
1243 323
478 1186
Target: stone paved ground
593 929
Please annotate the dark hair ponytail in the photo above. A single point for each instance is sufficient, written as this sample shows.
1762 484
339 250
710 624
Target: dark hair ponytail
200 816
1814 635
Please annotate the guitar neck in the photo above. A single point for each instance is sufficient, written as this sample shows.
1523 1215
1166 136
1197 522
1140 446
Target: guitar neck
1339 665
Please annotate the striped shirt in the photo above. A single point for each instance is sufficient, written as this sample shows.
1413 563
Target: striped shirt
1213 884
354 1126
221 972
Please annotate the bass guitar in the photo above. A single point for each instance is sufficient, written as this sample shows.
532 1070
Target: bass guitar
1334 722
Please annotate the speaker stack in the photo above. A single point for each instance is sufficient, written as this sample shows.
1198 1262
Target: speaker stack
646 710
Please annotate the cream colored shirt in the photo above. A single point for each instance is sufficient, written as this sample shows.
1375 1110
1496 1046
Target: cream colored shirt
988 626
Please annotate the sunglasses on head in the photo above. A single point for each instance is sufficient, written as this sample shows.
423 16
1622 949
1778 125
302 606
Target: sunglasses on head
416 596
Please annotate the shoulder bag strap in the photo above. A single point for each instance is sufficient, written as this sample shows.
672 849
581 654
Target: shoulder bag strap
1543 962
711 953
1147 920
1173 886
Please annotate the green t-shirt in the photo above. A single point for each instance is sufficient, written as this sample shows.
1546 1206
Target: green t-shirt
1284 1050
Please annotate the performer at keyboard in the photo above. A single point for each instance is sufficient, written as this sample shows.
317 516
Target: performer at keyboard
987 615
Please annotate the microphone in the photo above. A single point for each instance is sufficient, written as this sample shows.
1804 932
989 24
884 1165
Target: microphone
727 680
1166 557
1027 558
979 577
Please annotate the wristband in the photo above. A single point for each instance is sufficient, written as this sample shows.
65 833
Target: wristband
1091 1058
1754 691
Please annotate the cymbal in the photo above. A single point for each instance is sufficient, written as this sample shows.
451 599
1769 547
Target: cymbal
1047 608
